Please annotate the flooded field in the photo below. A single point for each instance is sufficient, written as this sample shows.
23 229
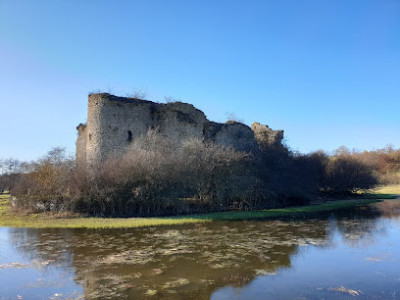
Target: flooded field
346 254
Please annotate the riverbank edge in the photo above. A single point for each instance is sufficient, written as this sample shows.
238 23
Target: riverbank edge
7 219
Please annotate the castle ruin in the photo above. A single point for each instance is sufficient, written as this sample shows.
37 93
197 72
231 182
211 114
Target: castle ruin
113 123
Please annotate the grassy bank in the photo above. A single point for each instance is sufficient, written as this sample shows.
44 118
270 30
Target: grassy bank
48 221
284 212
3 204
388 190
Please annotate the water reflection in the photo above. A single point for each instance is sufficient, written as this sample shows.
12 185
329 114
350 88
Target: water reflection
192 261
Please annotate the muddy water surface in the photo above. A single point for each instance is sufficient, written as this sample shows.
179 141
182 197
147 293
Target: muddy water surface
347 254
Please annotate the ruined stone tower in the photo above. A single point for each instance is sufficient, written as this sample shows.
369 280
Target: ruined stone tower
114 122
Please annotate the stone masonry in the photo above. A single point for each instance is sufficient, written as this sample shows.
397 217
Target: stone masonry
114 122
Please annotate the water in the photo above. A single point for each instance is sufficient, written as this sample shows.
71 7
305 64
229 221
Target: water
353 253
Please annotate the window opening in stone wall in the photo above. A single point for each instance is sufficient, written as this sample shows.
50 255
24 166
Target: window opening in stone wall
129 136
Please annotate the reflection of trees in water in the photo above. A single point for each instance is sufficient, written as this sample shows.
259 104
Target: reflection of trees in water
358 224
389 208
50 247
184 262
175 262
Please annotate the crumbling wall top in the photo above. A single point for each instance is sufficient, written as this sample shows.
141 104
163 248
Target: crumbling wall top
114 122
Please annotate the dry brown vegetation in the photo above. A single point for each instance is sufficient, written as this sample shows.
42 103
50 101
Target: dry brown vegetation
156 179
385 163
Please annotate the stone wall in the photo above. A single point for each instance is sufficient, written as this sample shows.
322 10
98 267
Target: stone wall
114 122
81 145
265 136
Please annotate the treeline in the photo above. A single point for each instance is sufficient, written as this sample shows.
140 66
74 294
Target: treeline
10 171
385 162
156 178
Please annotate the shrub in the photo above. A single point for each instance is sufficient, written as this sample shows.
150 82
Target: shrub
46 187
347 174
156 178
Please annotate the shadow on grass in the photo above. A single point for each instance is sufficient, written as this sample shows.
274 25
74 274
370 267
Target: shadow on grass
380 196
297 211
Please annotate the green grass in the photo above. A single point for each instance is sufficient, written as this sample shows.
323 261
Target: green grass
46 221
92 223
283 212
388 189
4 199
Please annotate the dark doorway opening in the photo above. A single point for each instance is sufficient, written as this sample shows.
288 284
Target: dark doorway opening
129 136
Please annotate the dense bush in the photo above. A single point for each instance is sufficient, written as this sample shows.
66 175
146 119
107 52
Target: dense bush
157 178
347 174
154 178
47 184
290 178
385 162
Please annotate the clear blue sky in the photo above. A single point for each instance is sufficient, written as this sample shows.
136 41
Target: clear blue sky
327 72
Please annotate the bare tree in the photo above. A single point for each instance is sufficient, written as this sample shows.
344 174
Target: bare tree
11 169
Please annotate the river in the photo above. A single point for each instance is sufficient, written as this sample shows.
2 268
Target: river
345 254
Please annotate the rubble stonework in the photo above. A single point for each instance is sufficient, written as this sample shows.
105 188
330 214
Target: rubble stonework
114 122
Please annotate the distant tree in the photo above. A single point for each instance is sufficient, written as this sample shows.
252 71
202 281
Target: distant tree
51 172
347 174
44 184
11 169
